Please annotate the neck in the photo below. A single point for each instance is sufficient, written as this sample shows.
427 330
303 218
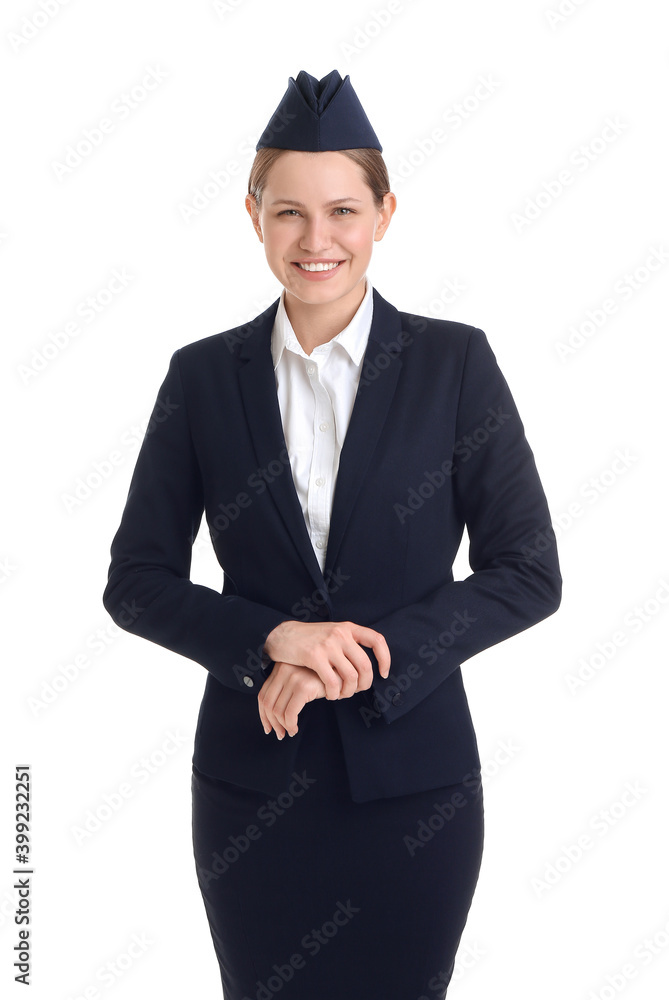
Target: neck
316 324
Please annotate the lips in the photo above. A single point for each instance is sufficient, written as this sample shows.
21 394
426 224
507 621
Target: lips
325 273
314 266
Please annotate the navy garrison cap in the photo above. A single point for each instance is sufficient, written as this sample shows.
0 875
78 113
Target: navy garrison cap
317 115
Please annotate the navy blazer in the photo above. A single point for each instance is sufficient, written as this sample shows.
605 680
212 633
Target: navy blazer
434 443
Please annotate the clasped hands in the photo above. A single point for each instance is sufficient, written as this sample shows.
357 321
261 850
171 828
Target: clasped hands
316 660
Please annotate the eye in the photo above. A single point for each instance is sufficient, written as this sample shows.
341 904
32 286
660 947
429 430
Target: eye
342 208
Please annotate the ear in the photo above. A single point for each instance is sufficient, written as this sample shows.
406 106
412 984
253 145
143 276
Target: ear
252 209
385 214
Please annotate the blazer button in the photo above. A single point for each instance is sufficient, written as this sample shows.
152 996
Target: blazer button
397 699
248 680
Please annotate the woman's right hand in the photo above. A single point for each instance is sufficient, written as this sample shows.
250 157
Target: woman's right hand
283 696
333 650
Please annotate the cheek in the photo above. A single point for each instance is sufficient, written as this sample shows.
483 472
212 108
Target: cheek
360 240
274 240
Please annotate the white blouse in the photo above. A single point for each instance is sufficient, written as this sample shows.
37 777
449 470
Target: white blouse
316 394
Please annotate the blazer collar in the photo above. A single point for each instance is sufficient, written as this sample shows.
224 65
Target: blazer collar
381 366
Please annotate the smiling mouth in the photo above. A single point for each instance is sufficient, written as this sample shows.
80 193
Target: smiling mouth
318 267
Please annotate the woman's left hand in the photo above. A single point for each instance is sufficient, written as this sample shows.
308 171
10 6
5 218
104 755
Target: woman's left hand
284 694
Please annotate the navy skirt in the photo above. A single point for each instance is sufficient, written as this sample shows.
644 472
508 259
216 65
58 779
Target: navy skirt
311 896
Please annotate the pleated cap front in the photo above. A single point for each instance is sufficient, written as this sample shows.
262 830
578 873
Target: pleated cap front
316 115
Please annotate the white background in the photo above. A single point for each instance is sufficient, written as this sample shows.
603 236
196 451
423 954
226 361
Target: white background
554 757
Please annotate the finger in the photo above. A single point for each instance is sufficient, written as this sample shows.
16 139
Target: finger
270 692
378 643
290 708
354 667
330 677
263 715
382 654
262 709
276 725
363 665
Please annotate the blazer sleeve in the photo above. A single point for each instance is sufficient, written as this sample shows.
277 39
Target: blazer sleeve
516 579
149 592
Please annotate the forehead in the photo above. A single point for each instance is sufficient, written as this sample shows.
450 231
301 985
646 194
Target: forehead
315 174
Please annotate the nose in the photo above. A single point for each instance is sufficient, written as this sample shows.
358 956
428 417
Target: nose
315 235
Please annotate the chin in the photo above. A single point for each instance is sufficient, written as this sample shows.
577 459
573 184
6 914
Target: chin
318 293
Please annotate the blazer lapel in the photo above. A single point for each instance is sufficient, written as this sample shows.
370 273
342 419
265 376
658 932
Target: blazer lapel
378 379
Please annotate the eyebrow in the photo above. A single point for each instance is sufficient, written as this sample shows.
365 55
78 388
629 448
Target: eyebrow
299 204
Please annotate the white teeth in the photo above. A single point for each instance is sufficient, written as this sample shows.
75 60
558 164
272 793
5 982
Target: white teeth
319 267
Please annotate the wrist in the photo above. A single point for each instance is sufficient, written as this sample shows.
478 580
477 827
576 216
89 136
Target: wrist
269 647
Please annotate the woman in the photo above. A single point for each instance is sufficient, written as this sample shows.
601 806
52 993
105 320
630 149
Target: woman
338 448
